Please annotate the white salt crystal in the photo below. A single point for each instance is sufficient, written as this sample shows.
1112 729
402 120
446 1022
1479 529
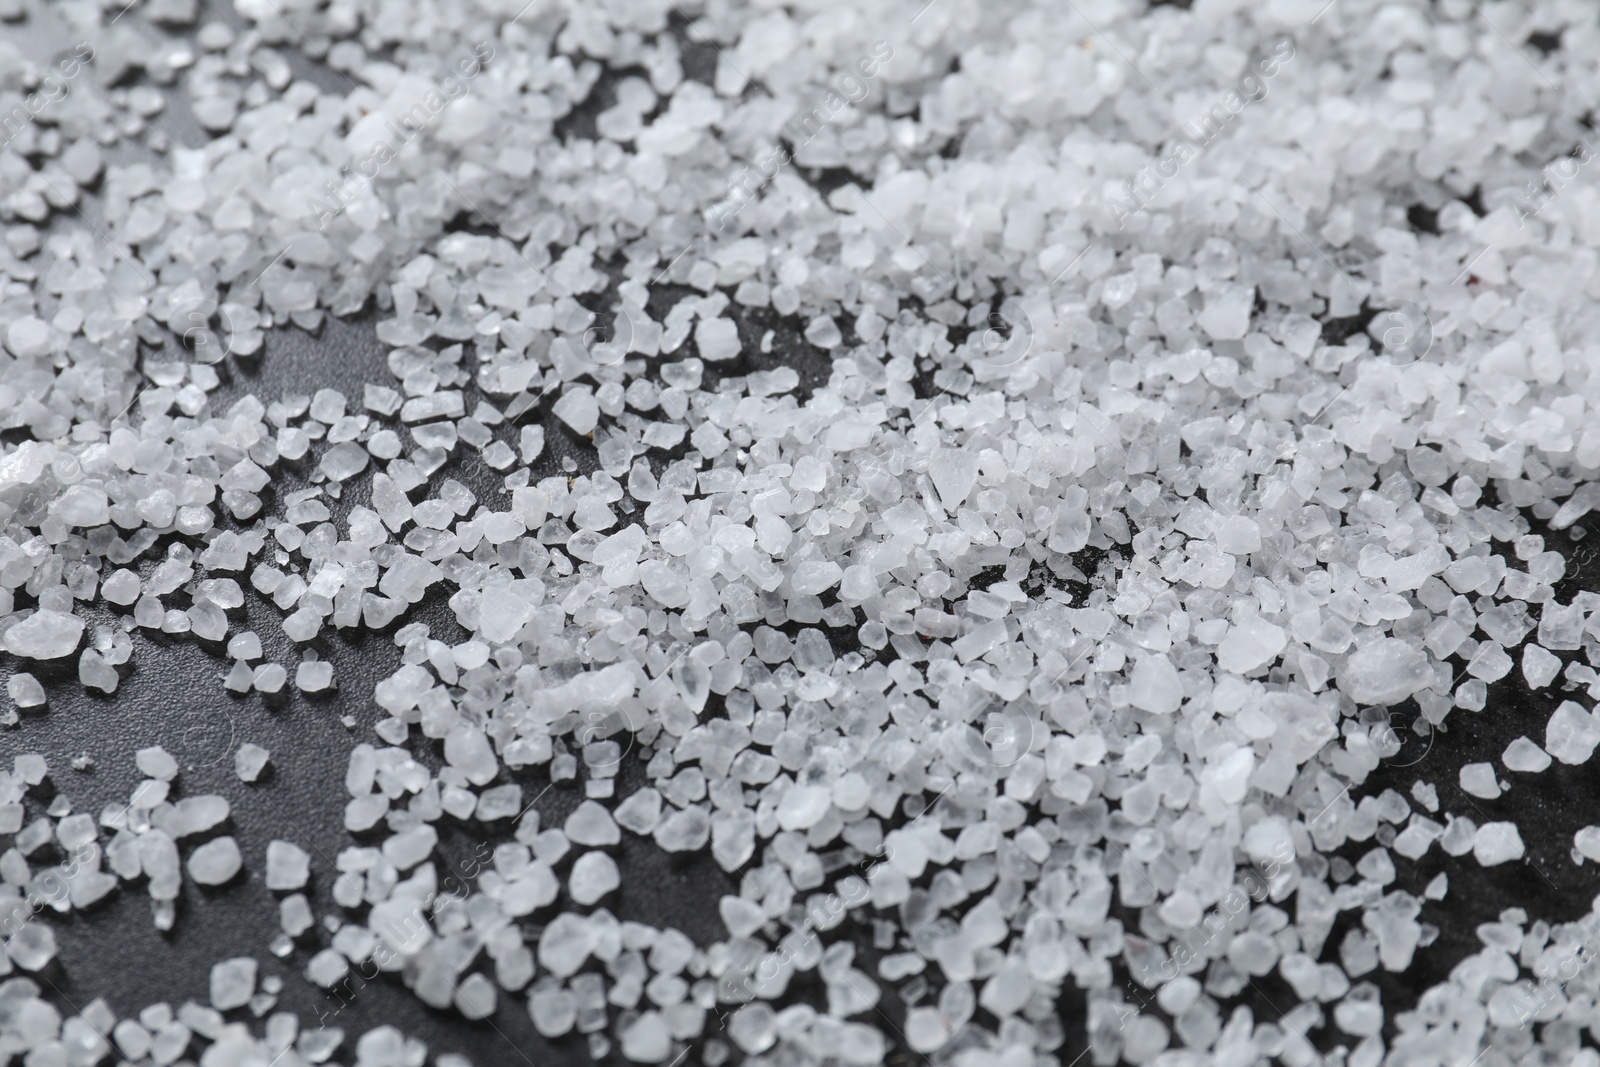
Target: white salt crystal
250 761
1227 312
288 866
1587 842
1539 668
593 876
215 862
1496 843
640 812
591 824
1571 734
475 997
1478 779
1525 756
578 409
648 1040
314 676
156 762
233 982
803 807
25 690
1385 671
45 634
716 340
1155 685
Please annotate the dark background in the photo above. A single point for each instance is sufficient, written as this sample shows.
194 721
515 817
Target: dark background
171 694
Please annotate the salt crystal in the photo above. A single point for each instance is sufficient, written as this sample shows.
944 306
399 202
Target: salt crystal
1571 734
593 876
233 982
155 762
1478 779
45 634
1524 756
1385 671
249 761
803 807
648 1040
1496 843
1539 668
591 824
25 690
215 862
288 866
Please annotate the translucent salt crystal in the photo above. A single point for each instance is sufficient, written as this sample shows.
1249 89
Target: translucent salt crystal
1539 667
1385 671
314 676
823 332
851 792
326 968
32 947
25 690
343 461
593 876
215 862
156 762
94 672
233 982
1250 643
565 944
410 847
468 750
294 915
1438 887
591 824
1478 779
245 645
741 917
716 340
288 866
1496 843
1227 312
121 587
640 812
270 677
648 1040
1571 734
553 1011
579 410
250 761
1155 685
45 634
803 807
475 997
754 1028
1525 756
198 814
683 831
816 576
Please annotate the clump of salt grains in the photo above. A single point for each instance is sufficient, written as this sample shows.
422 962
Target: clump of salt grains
1088 565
